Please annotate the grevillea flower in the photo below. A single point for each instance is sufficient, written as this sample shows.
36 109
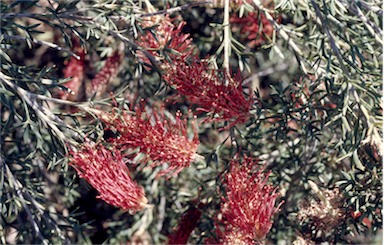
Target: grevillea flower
162 141
74 69
165 35
248 27
187 224
248 208
206 88
106 171
107 73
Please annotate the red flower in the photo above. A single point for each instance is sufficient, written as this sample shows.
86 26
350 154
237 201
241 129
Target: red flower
107 73
106 171
206 88
159 139
187 224
74 69
249 28
249 206
165 35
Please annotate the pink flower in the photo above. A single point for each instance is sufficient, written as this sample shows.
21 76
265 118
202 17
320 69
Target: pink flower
107 73
249 28
74 69
162 141
248 208
106 171
165 36
206 88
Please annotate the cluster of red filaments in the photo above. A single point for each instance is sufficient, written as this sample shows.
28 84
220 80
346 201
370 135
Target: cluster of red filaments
106 171
107 73
74 69
207 89
212 91
249 205
168 36
161 141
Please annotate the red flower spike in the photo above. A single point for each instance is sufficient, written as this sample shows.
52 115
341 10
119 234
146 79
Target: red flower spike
162 141
167 36
106 171
187 224
74 69
249 206
107 73
206 89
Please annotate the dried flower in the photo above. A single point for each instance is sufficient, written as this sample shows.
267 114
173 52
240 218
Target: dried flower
206 88
322 214
187 224
106 171
249 206
167 35
160 140
107 73
74 69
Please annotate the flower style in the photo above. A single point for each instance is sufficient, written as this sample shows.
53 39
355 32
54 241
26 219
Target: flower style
168 36
161 141
107 73
206 88
106 171
249 206
74 69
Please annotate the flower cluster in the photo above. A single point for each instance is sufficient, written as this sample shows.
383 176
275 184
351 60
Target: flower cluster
324 213
249 206
206 88
162 141
106 171
74 69
168 36
107 73
249 28
200 85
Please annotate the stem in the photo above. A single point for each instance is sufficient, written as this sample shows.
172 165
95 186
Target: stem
283 34
19 192
227 40
330 37
43 113
171 10
51 45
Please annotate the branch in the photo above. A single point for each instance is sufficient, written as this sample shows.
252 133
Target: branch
18 187
43 113
175 9
227 40
330 37
49 44
283 34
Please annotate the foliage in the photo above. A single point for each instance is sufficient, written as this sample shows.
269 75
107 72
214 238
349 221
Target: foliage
182 95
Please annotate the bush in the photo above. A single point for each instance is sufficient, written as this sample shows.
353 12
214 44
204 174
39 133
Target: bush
230 122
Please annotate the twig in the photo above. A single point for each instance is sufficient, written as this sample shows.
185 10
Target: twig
18 188
266 72
372 28
43 113
330 37
175 9
283 34
49 44
227 40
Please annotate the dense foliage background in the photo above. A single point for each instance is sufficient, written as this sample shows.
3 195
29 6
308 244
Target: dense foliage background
310 72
